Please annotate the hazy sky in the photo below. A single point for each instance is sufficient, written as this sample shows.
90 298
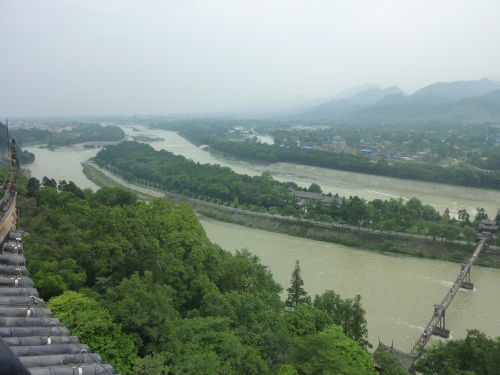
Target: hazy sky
83 57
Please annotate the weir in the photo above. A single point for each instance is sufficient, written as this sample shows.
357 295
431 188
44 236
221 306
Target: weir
437 323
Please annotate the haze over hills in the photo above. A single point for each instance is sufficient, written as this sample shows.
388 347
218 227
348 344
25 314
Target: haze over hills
450 91
460 101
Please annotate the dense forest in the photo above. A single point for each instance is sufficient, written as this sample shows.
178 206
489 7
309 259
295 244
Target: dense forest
141 163
456 175
78 134
141 284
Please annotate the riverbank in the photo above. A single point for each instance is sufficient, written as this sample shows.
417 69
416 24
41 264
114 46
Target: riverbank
102 180
457 175
343 183
384 242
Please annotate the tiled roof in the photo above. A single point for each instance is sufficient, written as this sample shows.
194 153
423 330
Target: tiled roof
28 328
312 196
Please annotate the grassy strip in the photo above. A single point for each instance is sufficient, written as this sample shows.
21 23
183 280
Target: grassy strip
101 180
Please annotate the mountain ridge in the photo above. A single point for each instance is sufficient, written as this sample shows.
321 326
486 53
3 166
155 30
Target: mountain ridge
458 101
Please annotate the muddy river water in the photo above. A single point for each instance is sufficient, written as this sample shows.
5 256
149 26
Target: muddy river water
398 293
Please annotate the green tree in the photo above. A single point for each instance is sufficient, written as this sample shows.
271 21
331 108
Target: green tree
55 277
33 186
480 214
451 232
296 293
204 346
243 272
356 326
347 313
435 230
94 326
469 234
445 218
315 188
464 216
415 206
143 308
259 321
49 182
476 354
332 304
306 319
330 352
154 364
189 306
356 211
287 370
388 364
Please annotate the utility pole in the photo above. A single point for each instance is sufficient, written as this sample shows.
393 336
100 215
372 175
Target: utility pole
8 143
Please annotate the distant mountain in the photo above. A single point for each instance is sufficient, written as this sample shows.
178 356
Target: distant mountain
371 96
351 91
452 91
342 107
486 107
297 104
461 101
395 99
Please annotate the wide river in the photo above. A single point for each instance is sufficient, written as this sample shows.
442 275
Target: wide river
344 183
397 292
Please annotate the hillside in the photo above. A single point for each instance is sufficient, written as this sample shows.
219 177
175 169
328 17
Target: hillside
448 102
467 110
451 91
347 105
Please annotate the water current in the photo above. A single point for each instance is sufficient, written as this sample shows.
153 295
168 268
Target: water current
397 292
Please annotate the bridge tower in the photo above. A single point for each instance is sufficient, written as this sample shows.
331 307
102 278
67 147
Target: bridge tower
440 328
466 284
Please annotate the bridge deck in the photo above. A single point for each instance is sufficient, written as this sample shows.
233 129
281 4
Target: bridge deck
440 310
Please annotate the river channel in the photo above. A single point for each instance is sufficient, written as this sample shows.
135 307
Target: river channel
398 293
341 182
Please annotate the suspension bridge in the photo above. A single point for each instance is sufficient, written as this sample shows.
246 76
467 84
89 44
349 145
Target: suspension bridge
437 323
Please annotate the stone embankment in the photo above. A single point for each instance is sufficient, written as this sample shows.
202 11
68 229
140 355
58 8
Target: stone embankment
349 235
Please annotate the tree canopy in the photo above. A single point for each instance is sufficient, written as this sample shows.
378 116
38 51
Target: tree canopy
143 286
476 354
140 163
296 293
